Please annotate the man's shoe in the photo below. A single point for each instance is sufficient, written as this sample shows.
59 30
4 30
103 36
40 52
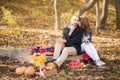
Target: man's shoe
53 60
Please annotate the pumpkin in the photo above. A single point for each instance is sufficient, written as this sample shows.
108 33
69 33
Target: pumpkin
30 71
20 70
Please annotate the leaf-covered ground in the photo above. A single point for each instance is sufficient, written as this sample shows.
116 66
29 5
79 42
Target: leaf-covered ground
111 71
107 44
31 18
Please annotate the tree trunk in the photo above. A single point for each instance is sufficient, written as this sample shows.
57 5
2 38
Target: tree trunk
104 14
97 16
56 15
85 7
117 4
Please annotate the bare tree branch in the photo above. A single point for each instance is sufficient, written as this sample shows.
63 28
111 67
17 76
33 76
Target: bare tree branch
85 7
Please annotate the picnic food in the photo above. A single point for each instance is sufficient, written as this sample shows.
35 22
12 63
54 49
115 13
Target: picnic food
75 63
49 66
46 68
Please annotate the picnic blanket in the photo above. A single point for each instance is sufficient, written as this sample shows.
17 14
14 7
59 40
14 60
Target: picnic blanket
41 50
51 50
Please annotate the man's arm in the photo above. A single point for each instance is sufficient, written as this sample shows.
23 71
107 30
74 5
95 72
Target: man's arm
76 39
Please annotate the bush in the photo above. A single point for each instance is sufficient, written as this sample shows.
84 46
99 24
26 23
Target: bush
8 17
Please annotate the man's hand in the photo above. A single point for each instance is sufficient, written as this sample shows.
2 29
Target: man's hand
61 40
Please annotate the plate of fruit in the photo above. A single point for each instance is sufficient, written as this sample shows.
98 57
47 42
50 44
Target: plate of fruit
75 63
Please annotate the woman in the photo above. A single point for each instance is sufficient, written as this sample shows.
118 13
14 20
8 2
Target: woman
72 35
86 45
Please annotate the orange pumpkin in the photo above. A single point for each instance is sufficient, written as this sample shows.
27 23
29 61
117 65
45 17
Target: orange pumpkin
20 70
30 71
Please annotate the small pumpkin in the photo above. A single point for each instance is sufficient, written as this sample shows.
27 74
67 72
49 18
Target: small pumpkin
20 70
30 71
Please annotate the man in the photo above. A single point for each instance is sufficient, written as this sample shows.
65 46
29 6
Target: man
72 35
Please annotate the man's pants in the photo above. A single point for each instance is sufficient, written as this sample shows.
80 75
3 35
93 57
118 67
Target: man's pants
60 57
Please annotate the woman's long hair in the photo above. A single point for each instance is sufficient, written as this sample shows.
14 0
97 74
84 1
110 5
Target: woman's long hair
85 24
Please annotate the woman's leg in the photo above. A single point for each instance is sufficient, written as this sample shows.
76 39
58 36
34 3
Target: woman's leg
64 55
92 52
95 54
88 49
58 47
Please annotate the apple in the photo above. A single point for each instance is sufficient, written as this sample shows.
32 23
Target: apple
67 64
76 60
76 63
71 63
47 68
37 54
43 68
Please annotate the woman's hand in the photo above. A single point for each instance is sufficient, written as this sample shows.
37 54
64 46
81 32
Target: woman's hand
87 42
72 29
61 40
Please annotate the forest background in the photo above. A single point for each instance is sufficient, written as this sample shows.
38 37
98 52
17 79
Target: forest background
23 22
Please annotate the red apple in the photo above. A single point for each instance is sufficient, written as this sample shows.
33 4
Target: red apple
71 63
67 64
77 64
74 63
76 60
43 68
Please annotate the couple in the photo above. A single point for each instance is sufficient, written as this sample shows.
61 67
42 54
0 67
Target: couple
76 38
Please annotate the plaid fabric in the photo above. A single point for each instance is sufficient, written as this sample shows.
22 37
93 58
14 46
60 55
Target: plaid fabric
51 49
43 50
85 56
